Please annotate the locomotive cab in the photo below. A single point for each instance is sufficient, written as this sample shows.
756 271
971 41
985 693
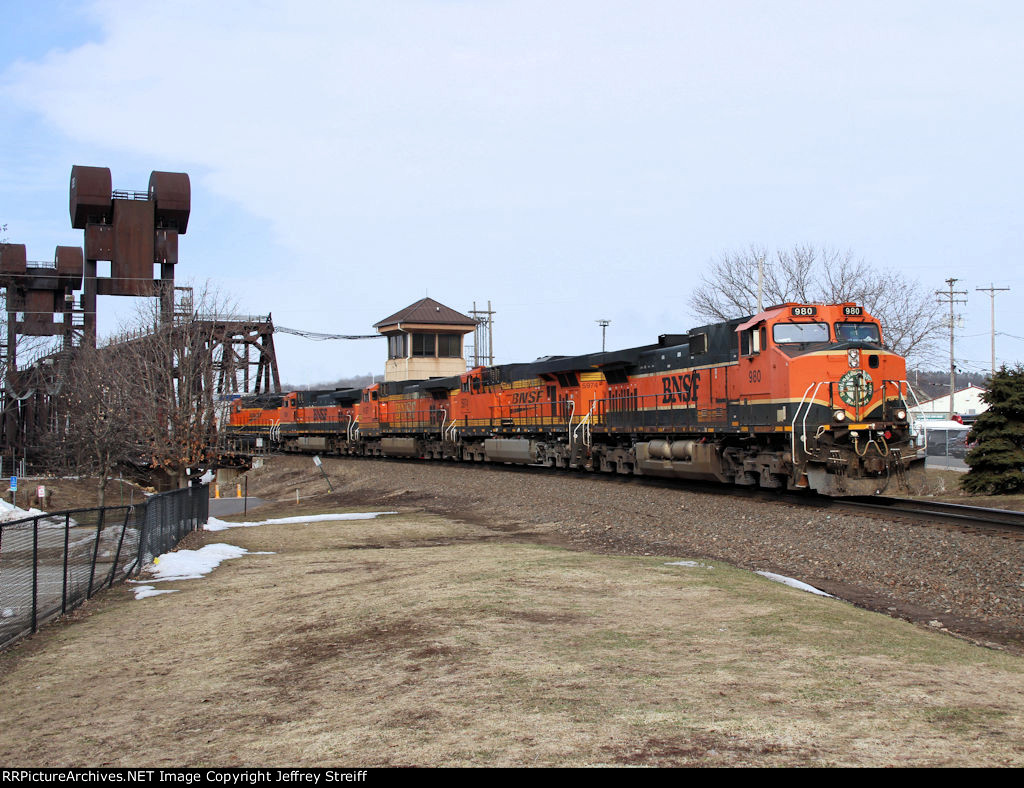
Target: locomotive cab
847 413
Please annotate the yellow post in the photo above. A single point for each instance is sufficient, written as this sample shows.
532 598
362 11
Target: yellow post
238 490
216 491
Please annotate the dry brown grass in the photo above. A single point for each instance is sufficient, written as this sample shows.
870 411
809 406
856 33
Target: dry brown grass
77 493
416 640
945 486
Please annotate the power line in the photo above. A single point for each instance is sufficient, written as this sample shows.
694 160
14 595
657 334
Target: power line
318 337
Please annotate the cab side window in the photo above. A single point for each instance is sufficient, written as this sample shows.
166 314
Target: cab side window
752 341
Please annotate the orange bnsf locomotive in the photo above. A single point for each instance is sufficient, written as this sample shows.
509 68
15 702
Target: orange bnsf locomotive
800 396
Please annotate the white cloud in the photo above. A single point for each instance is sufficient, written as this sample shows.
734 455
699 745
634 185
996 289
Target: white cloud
530 152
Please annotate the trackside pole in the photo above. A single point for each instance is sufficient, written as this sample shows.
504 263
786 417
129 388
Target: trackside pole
320 465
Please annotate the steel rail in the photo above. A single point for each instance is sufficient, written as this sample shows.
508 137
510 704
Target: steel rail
938 510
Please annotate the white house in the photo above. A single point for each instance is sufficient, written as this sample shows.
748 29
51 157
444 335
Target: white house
966 401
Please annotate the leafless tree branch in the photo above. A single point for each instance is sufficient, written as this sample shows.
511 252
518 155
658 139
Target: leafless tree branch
910 317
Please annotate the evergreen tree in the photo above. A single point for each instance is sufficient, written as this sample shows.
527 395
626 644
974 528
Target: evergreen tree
997 458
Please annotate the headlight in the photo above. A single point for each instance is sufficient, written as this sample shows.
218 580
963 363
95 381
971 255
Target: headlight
853 357
901 415
839 415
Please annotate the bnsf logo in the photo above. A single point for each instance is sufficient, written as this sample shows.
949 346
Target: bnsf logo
680 388
525 397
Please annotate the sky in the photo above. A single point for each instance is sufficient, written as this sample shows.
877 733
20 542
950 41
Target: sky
567 161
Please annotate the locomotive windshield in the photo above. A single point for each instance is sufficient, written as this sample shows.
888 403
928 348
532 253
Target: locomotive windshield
857 332
794 333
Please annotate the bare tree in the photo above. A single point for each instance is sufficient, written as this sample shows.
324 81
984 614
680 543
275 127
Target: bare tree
910 317
145 398
94 418
172 369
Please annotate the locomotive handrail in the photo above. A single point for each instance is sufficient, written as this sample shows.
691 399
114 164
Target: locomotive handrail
807 412
585 426
796 415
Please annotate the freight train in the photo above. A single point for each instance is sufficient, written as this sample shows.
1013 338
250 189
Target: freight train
799 396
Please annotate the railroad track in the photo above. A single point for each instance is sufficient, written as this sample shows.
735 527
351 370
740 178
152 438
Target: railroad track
1003 520
987 520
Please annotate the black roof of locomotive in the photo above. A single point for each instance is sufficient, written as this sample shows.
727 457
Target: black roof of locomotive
340 397
553 365
265 401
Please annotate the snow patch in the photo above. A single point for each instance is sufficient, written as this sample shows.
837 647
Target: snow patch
9 512
789 581
192 564
213 524
141 592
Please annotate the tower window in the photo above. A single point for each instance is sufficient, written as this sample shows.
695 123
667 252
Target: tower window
424 344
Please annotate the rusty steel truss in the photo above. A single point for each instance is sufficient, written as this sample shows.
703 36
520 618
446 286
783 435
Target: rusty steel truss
137 233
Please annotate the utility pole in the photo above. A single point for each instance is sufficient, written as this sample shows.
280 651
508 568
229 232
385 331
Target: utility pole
992 295
950 297
484 325
760 283
604 325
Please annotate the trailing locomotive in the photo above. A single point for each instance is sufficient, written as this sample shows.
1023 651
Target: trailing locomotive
800 396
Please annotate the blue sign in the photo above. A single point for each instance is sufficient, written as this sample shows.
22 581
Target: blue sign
14 483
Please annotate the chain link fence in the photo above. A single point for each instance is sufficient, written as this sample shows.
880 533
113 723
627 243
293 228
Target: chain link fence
50 564
947 448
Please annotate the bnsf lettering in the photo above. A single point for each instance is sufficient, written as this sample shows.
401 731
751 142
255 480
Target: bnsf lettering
525 397
680 388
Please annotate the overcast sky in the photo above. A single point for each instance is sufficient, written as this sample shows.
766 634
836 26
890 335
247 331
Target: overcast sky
570 161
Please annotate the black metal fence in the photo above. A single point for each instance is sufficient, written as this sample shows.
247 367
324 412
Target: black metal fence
50 564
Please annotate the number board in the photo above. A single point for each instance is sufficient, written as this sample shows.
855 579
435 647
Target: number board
852 310
803 311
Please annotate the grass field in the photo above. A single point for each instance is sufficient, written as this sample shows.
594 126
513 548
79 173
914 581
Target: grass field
414 640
